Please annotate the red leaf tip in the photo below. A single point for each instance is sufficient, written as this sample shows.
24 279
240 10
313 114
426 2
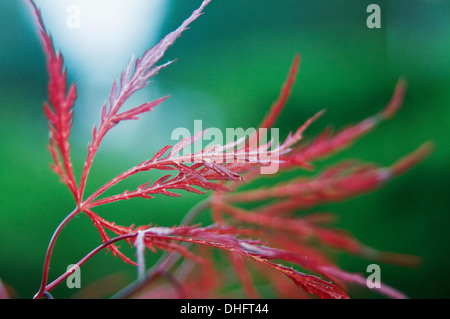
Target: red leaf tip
412 159
396 100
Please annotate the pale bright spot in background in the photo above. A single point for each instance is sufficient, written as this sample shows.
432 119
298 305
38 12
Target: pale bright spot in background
109 30
97 39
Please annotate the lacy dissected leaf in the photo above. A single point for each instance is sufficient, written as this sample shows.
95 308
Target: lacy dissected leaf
336 183
102 224
59 109
132 81
304 230
206 166
225 238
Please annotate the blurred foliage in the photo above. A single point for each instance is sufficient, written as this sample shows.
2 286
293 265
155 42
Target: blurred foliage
230 67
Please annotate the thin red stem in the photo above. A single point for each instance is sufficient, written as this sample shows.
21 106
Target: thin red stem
48 254
85 259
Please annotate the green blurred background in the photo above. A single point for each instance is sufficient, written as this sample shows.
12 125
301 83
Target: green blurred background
230 66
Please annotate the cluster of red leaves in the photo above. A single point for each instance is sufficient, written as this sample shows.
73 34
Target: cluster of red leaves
282 236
